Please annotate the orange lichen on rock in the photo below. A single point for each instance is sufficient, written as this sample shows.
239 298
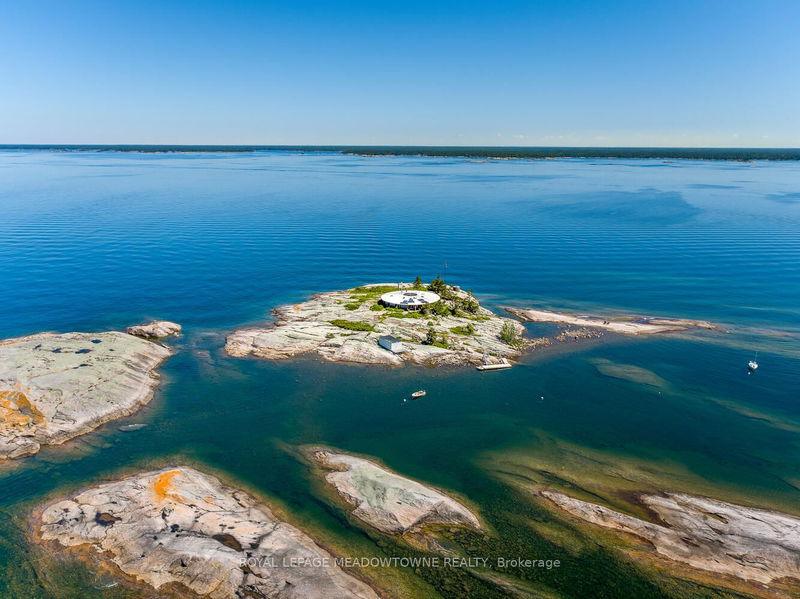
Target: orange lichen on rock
16 410
162 485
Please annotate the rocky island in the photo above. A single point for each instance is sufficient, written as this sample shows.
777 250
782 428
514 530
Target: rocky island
708 534
347 326
54 387
181 530
625 325
157 329
385 500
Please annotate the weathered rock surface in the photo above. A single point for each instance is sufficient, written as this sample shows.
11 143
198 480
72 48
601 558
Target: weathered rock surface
625 325
182 527
54 387
158 329
387 501
753 544
306 327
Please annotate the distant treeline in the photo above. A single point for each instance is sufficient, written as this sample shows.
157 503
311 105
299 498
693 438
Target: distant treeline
477 152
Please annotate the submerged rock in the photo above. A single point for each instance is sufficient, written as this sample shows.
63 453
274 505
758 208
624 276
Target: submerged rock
344 326
389 502
629 372
751 543
157 329
54 387
129 428
183 527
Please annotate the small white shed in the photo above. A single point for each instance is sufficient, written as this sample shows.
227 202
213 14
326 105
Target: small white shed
393 344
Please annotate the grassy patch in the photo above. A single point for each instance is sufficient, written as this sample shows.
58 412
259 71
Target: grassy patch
352 325
398 313
352 306
465 330
365 293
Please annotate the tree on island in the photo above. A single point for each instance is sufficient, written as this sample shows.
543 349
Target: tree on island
438 286
509 334
418 283
471 305
430 337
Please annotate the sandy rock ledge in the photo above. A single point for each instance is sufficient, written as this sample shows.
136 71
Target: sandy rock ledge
180 528
627 325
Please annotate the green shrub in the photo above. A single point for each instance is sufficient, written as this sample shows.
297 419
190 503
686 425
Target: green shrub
430 336
438 286
441 309
352 325
509 334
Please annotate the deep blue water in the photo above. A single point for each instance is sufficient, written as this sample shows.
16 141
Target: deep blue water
101 240
212 240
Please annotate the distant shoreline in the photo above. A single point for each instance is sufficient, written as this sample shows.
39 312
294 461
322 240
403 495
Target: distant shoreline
476 152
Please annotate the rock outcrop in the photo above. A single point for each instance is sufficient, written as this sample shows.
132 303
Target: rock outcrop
344 326
387 501
180 527
624 325
750 543
54 387
158 329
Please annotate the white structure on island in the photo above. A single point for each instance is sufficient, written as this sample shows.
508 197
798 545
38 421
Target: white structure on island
408 299
393 344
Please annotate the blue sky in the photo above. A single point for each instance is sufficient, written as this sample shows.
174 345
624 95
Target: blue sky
645 73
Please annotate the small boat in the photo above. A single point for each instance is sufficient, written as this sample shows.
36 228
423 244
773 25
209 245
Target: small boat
418 394
752 365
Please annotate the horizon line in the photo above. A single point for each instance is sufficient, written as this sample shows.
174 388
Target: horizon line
353 145
467 152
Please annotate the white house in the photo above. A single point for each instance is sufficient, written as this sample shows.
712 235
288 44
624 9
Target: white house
409 300
393 344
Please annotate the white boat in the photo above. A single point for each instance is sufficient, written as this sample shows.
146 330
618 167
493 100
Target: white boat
752 365
418 394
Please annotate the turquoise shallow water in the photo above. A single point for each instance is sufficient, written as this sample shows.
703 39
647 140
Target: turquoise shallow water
101 240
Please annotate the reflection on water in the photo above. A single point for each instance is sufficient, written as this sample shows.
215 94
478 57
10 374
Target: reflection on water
98 241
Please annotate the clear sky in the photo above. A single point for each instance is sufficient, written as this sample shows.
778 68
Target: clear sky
640 73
